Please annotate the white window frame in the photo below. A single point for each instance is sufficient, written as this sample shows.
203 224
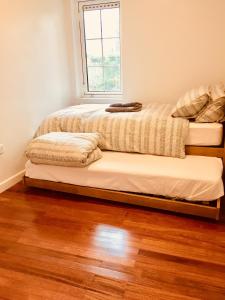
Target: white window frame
83 72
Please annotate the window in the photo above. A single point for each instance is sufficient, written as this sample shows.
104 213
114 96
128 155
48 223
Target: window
100 42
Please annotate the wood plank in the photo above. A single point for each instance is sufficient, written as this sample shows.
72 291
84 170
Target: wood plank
61 246
131 198
205 151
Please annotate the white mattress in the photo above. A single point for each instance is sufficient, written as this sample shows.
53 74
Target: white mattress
195 178
205 134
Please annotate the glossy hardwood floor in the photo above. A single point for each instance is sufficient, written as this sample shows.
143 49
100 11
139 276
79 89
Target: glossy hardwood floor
58 246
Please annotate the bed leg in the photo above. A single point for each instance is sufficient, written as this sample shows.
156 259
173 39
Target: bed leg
218 209
25 185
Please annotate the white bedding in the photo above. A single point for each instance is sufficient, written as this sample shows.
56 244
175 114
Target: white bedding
205 134
195 178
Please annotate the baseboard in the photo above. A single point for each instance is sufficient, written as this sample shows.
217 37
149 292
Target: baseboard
8 183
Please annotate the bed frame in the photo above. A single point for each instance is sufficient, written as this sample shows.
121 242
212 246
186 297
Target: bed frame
212 210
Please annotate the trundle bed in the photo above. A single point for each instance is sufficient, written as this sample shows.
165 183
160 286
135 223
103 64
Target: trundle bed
192 185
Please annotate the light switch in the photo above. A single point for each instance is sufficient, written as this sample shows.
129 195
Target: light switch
1 149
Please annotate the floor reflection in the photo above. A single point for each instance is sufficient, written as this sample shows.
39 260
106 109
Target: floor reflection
112 239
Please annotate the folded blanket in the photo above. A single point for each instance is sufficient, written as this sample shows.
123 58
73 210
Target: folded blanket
124 107
65 149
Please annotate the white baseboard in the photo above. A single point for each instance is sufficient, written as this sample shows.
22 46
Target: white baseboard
8 183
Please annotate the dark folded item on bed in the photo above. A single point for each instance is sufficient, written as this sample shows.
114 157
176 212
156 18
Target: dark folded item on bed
124 107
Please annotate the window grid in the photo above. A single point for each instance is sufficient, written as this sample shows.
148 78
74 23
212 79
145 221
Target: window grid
101 6
103 66
102 49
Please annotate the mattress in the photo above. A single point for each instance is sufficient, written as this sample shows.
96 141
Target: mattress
195 178
205 134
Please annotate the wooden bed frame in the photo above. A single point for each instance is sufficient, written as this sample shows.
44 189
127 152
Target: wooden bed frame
198 209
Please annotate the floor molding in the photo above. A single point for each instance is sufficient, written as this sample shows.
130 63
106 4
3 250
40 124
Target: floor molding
11 181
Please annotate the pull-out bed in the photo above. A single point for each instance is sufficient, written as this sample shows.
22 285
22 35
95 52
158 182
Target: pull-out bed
190 185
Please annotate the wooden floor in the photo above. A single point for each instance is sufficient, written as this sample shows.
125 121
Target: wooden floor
58 246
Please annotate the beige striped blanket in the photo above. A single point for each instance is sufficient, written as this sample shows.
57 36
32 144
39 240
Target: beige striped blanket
64 149
150 131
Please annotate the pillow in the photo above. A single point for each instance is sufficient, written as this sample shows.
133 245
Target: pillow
215 110
192 103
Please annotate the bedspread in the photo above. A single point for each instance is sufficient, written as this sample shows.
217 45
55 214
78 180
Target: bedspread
150 131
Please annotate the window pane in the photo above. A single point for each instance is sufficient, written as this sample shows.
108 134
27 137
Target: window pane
92 23
112 78
111 51
110 23
94 52
95 79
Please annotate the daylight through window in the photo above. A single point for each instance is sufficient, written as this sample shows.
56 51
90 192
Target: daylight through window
101 32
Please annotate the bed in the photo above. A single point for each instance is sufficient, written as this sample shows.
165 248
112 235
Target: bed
192 185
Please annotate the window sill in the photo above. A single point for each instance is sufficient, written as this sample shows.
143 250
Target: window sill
100 100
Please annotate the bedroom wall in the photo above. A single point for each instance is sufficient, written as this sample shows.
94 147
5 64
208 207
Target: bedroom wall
170 46
35 74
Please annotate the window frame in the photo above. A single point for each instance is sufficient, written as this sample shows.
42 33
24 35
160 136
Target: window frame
84 72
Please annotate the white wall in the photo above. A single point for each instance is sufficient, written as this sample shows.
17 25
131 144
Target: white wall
170 46
36 72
